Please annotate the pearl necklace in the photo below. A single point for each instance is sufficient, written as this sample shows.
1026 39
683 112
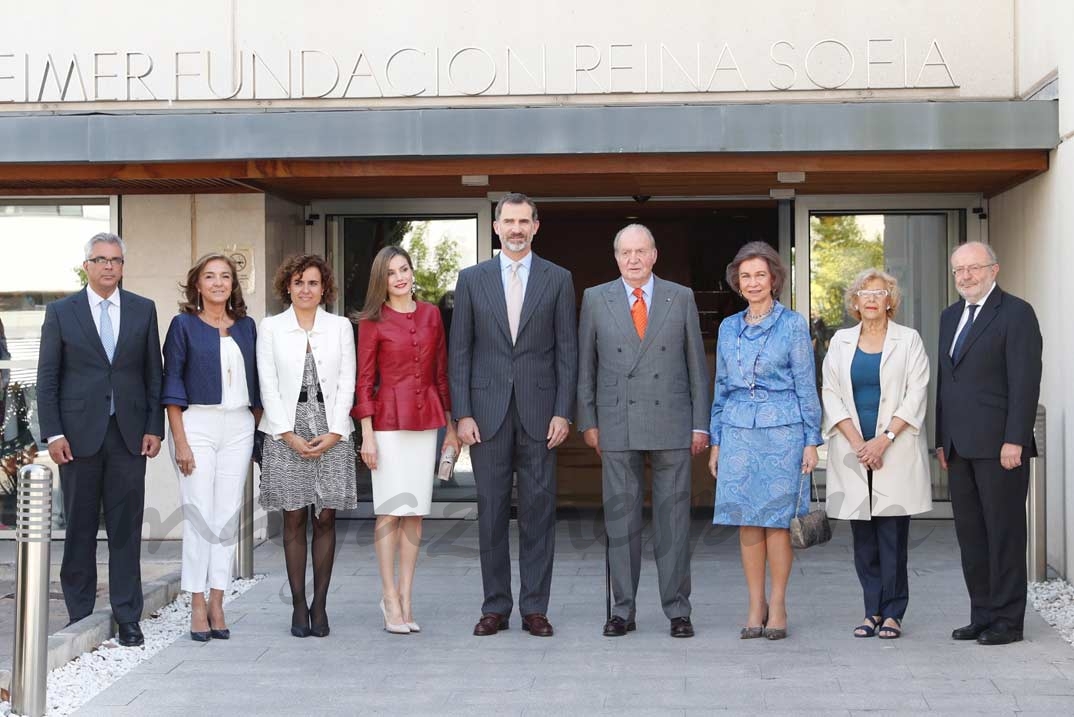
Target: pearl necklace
756 318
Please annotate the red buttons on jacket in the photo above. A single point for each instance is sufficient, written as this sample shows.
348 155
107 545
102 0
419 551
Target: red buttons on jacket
403 355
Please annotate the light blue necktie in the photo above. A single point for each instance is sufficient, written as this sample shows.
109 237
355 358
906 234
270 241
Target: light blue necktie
108 334
108 340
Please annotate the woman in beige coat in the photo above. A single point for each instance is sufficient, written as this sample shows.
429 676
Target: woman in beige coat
876 378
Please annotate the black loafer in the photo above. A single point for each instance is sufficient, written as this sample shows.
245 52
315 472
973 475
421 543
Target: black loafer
999 634
681 627
968 632
130 635
617 627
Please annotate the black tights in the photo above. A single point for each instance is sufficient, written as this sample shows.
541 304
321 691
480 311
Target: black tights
324 554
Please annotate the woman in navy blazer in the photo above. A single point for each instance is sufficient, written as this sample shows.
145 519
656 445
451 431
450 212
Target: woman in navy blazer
212 399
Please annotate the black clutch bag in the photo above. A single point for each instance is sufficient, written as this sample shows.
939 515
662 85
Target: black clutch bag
811 529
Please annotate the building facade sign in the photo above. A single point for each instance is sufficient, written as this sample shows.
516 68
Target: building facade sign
126 75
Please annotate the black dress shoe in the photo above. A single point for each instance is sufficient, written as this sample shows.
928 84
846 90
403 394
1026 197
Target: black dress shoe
617 627
681 627
968 632
130 635
999 634
201 635
219 634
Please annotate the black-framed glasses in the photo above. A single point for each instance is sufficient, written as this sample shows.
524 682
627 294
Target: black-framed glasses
105 261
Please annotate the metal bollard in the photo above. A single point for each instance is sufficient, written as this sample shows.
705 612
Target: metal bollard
33 533
245 548
1036 516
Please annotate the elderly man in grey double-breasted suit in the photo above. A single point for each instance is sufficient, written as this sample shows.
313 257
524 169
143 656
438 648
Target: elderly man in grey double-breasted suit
513 369
643 389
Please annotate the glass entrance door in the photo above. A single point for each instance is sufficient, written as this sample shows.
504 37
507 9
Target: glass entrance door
442 239
912 244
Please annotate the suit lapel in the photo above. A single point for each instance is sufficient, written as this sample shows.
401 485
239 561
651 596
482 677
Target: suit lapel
492 282
615 299
891 344
85 320
948 324
535 288
984 317
658 313
850 346
125 323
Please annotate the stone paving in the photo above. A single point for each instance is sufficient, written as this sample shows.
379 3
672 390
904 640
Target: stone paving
820 669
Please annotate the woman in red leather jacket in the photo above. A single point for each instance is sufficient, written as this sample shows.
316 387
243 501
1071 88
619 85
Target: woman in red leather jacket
402 399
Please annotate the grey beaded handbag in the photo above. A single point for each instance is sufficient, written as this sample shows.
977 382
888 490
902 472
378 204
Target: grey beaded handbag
812 528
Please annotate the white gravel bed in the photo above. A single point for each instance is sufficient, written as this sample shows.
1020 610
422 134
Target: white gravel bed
1054 600
79 681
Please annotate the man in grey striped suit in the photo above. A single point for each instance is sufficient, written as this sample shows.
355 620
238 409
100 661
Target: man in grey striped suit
643 389
513 368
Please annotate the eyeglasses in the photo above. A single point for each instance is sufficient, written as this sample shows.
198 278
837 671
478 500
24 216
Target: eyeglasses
872 293
105 261
971 269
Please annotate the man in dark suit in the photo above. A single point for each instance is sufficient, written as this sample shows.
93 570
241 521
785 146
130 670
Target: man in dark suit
643 389
513 368
986 404
98 397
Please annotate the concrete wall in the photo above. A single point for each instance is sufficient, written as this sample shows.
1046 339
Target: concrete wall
164 235
1032 229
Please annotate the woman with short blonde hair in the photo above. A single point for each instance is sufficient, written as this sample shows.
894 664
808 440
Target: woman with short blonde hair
875 384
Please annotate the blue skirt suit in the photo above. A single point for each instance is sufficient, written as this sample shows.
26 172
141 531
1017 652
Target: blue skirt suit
764 413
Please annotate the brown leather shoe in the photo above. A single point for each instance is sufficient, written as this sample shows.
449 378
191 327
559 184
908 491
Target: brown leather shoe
537 624
490 623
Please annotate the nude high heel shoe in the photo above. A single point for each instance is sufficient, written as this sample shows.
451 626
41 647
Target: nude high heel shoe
400 629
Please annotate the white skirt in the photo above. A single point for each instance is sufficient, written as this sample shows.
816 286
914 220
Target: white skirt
403 479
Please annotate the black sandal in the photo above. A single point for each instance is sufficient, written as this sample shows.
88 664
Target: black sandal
890 632
868 627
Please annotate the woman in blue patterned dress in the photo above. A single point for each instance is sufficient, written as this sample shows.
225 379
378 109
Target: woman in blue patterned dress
765 430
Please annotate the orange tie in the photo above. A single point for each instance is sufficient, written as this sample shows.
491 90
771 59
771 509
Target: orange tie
638 313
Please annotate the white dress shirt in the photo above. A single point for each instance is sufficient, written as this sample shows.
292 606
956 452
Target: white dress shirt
523 270
966 317
113 310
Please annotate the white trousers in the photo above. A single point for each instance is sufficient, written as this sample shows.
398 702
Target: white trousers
222 444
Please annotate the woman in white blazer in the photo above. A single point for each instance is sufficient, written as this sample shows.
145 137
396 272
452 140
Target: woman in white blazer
875 383
306 362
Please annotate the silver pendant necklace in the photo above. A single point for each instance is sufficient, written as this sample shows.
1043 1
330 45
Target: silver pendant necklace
751 381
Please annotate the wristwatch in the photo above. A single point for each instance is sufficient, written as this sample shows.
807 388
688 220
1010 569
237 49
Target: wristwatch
890 435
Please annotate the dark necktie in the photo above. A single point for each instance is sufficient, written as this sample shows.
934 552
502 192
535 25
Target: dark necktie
961 339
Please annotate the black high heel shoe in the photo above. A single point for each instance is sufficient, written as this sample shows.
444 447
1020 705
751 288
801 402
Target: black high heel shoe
319 629
300 628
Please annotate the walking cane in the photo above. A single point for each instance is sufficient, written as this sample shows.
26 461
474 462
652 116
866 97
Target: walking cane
607 580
